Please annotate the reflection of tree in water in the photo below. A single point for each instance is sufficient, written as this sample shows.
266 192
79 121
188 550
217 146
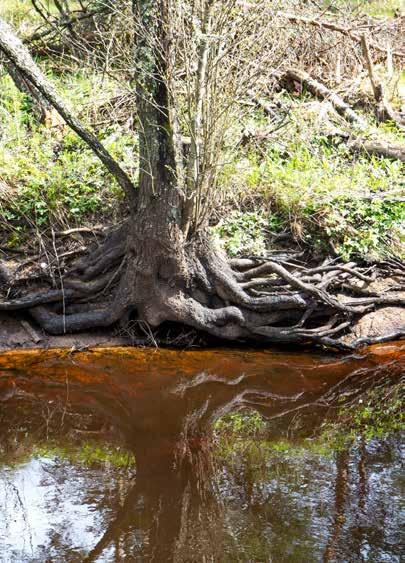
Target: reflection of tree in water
172 510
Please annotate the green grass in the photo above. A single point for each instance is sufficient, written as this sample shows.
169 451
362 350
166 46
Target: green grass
20 14
49 176
373 8
386 9
299 181
304 182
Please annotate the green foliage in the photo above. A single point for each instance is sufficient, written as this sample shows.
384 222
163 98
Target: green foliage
19 13
373 8
365 227
242 424
243 233
317 189
386 9
54 178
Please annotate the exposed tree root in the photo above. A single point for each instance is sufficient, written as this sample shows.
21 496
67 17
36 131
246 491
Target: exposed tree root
240 299
51 296
59 324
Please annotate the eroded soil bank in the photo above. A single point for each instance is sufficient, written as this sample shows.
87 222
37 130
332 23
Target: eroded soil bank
17 330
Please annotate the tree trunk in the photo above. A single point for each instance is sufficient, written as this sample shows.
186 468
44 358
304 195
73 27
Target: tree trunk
155 239
169 270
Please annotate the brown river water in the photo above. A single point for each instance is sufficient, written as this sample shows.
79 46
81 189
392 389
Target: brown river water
160 455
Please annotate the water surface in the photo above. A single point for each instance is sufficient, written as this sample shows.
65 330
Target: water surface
118 455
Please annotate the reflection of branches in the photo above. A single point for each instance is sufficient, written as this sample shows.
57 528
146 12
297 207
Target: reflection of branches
19 502
168 423
121 520
341 490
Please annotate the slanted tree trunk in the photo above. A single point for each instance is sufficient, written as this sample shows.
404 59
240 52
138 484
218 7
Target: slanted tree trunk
42 108
168 268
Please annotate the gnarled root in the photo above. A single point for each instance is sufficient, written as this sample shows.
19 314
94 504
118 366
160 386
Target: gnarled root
285 302
54 323
102 258
260 300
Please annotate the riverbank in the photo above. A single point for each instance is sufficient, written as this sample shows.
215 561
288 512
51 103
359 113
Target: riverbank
19 331
300 184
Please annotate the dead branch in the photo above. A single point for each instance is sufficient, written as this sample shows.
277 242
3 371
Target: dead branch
348 31
79 230
321 91
384 109
63 23
20 57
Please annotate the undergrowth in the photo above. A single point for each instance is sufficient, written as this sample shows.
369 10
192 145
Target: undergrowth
300 182
303 182
48 176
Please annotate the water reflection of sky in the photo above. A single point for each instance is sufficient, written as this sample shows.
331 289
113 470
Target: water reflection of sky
50 507
57 510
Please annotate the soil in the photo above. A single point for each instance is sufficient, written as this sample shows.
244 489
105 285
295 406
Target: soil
18 331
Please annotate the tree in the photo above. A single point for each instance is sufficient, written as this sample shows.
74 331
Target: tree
169 268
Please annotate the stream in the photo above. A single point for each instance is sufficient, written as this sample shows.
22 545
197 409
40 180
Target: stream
209 455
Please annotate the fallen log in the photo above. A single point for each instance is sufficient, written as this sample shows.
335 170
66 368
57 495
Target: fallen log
321 91
371 147
378 148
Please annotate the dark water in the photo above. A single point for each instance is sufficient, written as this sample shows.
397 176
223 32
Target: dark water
118 455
